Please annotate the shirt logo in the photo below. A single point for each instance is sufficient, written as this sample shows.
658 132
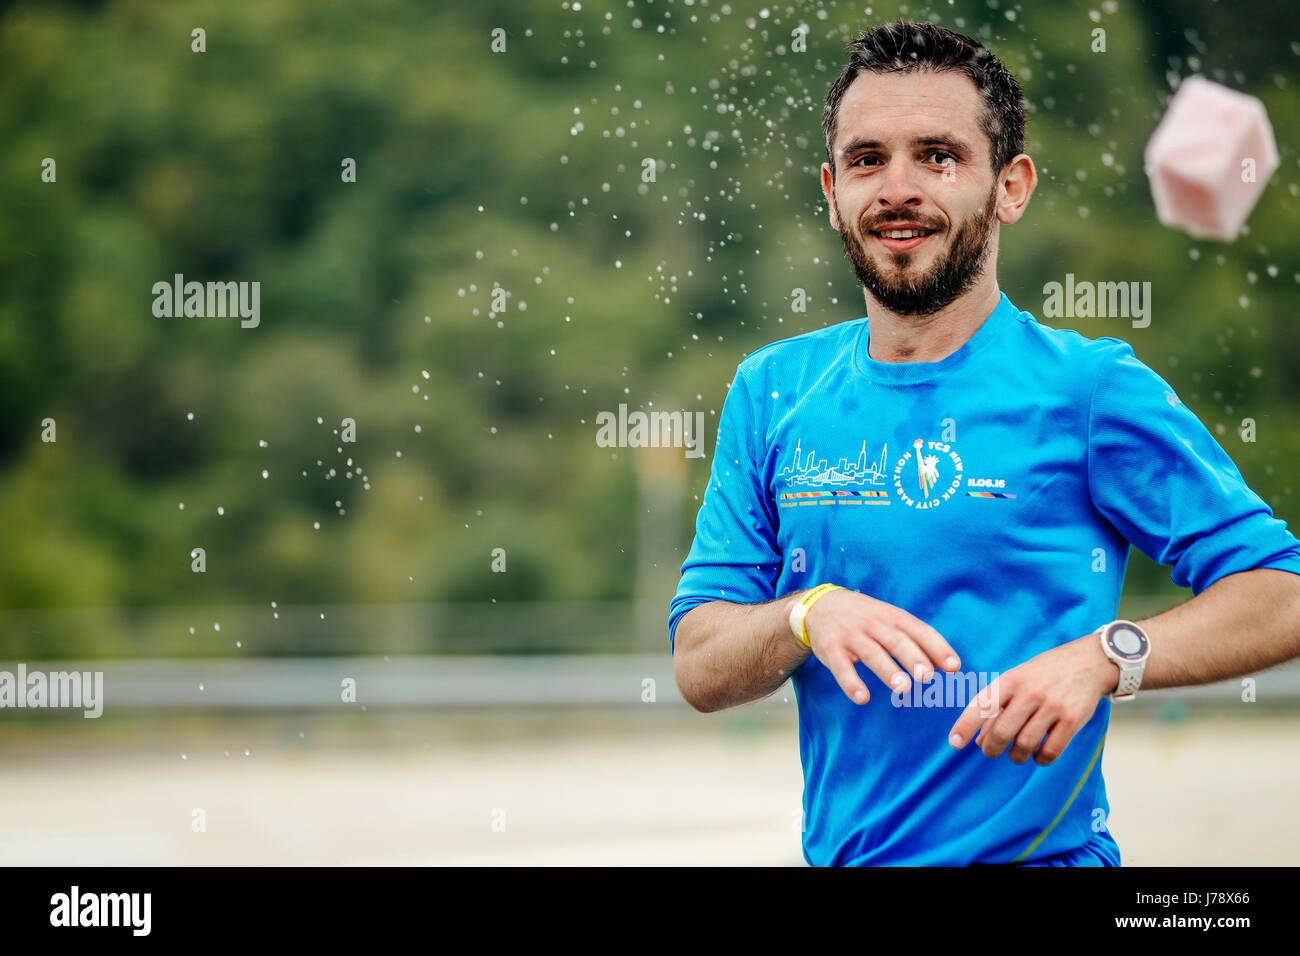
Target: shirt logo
998 484
928 475
851 483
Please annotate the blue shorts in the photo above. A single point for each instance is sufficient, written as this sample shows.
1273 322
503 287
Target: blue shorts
1100 851
1090 854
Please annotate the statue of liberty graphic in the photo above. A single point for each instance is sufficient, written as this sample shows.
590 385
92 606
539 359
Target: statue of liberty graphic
927 469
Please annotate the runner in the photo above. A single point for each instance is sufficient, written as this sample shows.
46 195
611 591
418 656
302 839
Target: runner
963 483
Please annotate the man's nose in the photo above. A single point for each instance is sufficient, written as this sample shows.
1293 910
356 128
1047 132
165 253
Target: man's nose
900 187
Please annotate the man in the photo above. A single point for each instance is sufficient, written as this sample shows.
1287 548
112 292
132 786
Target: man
971 480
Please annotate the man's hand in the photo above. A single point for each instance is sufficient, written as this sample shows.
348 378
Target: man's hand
846 626
1051 695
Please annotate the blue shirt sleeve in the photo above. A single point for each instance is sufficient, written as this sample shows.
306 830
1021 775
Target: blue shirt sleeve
734 556
1162 480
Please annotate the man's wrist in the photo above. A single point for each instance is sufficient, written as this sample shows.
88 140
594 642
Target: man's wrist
790 600
798 608
1106 671
787 608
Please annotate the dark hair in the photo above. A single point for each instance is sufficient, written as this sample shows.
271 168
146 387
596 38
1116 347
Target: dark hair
903 46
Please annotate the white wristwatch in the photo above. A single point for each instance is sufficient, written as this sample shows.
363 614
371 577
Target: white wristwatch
1128 646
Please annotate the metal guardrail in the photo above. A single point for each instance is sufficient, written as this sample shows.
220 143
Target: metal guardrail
413 629
468 681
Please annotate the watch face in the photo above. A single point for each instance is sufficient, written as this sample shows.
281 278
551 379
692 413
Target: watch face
1127 641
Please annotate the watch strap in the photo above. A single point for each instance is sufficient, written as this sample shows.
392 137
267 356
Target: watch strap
1130 672
1130 677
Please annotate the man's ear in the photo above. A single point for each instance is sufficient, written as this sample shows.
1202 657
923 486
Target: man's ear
1018 184
828 190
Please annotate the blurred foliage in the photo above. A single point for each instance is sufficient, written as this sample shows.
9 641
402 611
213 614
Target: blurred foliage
519 170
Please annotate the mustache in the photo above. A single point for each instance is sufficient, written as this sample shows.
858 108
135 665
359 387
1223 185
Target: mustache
898 224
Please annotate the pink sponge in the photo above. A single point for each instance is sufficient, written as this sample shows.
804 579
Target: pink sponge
1209 159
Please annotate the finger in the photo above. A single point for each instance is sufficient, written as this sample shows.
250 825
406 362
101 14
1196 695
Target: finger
991 706
983 707
1031 737
846 675
931 642
903 649
1004 728
987 718
1062 733
876 660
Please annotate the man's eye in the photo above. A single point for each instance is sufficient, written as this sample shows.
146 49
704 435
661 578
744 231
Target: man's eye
947 157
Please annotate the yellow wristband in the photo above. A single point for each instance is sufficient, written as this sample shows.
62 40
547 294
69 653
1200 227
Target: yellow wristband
799 612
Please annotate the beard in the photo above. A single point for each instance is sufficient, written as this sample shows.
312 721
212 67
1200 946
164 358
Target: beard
925 294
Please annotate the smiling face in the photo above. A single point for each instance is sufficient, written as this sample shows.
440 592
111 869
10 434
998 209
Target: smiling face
909 150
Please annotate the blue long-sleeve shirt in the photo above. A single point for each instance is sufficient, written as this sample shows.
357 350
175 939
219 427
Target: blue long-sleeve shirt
994 495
